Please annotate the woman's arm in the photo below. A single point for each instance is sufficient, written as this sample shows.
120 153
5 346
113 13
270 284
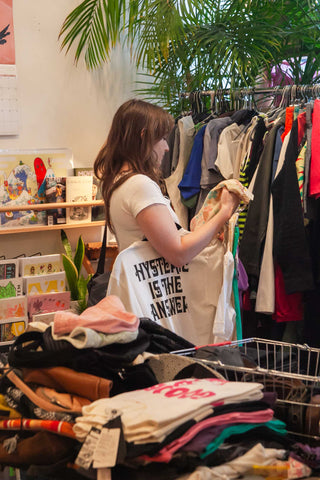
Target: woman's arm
159 228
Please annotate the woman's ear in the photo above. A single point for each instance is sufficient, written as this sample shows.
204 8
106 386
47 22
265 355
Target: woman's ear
143 131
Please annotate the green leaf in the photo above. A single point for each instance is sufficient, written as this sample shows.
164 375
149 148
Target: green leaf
79 254
66 244
71 276
82 286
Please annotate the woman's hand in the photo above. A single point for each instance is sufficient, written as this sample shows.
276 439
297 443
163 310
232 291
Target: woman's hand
229 201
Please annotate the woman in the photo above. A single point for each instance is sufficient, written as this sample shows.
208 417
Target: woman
128 165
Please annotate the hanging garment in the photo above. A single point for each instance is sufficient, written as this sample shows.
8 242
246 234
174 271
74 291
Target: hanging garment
250 251
228 145
265 300
288 121
306 198
290 246
225 321
209 174
243 159
190 183
182 299
314 187
187 132
300 169
169 157
212 204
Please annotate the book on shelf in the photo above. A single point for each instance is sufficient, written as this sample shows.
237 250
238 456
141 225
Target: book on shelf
79 189
55 192
97 211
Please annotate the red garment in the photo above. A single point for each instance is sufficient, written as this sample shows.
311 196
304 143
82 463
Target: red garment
288 308
288 121
301 126
314 179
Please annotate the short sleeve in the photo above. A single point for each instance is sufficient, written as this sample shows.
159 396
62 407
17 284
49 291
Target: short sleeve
141 192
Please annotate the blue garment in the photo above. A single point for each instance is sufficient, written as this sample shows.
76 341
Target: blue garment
190 182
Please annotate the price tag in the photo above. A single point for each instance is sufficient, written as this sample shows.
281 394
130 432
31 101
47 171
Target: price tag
106 450
85 455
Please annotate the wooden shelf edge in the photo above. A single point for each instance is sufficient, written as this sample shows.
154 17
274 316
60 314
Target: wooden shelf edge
40 228
50 206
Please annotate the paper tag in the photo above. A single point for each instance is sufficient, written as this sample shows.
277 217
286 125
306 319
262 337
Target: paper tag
104 474
106 450
85 455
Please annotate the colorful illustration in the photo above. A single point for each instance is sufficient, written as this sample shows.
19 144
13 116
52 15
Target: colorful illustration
10 330
7 52
9 269
13 307
48 303
10 287
56 193
23 177
37 284
40 265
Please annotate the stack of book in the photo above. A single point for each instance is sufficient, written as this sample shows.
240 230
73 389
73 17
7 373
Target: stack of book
44 284
13 304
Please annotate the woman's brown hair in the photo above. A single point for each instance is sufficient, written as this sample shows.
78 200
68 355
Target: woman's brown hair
136 127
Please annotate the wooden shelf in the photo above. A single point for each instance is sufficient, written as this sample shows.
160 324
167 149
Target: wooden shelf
50 206
38 228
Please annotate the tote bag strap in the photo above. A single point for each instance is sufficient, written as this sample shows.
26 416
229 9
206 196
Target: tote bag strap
102 257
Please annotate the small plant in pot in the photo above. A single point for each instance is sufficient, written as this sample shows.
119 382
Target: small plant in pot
72 265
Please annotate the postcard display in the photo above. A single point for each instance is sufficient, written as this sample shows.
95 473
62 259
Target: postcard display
31 288
24 175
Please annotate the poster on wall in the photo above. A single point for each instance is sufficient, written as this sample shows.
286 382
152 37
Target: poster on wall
23 177
9 114
7 51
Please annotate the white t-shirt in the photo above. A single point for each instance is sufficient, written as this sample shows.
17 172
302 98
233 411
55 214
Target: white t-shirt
135 194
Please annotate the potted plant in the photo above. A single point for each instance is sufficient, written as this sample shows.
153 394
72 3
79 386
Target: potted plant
72 265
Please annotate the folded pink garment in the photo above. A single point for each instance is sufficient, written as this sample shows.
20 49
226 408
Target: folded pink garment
107 316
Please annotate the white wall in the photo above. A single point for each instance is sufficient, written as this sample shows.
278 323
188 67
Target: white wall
60 105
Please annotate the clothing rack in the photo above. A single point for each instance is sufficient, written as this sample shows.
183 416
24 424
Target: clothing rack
290 90
247 95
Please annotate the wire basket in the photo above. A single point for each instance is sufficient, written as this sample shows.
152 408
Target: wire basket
290 370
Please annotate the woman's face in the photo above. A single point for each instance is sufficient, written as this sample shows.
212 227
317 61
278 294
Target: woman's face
160 148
